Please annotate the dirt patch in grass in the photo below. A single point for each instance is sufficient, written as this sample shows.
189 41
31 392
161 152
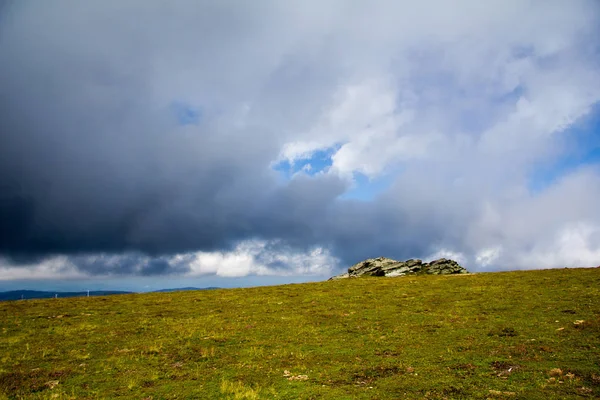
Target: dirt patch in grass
35 380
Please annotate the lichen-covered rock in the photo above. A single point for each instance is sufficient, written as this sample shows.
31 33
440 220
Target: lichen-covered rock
383 266
444 266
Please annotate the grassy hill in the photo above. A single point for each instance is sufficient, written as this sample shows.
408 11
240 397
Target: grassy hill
515 335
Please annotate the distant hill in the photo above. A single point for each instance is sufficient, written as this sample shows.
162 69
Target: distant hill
39 294
183 289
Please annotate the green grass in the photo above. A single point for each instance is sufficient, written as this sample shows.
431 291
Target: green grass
515 335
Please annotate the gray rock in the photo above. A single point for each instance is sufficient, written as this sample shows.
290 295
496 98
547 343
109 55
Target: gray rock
444 266
382 266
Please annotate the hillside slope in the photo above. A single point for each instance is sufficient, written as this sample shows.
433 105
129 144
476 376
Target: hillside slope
531 334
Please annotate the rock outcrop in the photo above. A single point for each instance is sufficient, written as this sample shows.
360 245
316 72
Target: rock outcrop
383 266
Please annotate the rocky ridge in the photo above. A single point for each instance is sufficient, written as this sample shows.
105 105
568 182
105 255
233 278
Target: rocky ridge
383 266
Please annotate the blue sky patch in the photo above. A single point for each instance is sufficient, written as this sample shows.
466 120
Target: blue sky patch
583 141
363 188
510 97
185 113
319 161
524 51
366 189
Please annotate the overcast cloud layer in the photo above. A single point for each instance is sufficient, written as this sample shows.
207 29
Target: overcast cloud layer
245 138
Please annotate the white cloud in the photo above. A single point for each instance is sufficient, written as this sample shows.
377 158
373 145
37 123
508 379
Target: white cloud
252 257
449 254
576 245
489 256
51 268
559 227
523 76
256 257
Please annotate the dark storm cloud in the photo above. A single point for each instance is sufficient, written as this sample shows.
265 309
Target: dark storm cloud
127 264
92 160
88 164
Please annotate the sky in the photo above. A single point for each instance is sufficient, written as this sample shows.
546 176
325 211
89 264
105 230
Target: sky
150 144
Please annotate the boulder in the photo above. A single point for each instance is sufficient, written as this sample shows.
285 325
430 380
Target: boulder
382 266
444 266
